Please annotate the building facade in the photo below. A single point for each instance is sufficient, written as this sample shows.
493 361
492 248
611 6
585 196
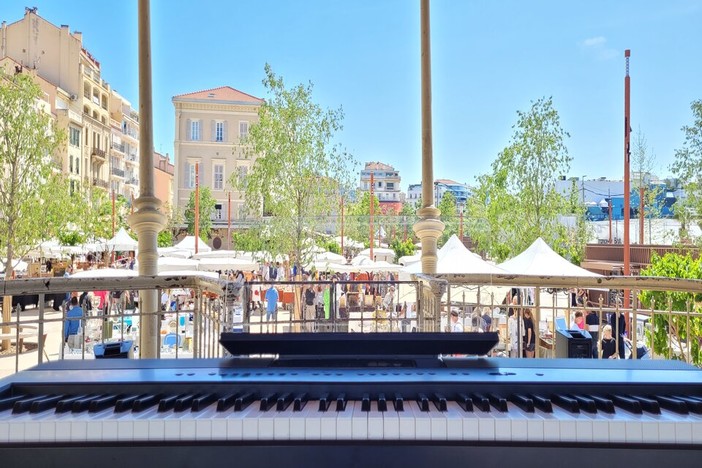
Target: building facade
209 128
386 188
163 181
83 103
461 192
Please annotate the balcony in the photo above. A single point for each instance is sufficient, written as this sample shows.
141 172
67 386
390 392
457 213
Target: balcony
609 257
133 181
118 172
118 147
98 153
98 182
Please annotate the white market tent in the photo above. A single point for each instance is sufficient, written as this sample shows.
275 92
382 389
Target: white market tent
539 259
122 242
188 243
226 263
105 273
175 263
174 252
218 254
379 253
329 257
454 257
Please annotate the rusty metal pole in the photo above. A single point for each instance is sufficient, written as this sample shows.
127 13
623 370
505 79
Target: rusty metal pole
197 206
627 182
641 215
372 237
609 204
342 225
229 221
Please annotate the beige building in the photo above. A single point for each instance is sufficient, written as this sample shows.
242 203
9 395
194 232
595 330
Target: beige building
163 181
209 126
84 104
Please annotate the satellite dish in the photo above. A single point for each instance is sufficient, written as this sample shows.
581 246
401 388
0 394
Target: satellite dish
216 243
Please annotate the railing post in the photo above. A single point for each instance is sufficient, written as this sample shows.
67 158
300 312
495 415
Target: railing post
196 327
40 328
634 341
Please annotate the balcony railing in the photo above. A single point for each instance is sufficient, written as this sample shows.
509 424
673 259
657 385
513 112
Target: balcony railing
133 181
98 182
97 152
119 147
639 254
118 172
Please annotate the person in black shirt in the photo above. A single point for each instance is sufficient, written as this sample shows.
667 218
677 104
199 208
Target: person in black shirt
609 344
310 312
618 323
529 335
593 326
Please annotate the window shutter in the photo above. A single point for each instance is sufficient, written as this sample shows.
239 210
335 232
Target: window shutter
188 126
224 131
201 173
186 176
213 128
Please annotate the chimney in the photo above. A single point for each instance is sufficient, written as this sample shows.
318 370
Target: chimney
78 35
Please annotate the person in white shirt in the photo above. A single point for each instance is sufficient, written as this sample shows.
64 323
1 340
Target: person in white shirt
164 300
455 325
513 332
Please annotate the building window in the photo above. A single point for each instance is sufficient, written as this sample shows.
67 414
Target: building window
74 137
190 175
219 131
390 186
195 130
219 176
218 211
243 129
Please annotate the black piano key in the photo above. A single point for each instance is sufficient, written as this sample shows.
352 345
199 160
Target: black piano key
498 402
692 404
202 401
324 402
24 405
341 402
66 405
267 401
83 404
566 402
542 403
242 401
439 402
226 402
45 403
423 402
126 403
648 404
167 403
283 401
365 402
144 402
523 402
382 403
481 401
104 402
465 402
398 402
183 402
603 404
626 403
586 404
8 402
673 404
299 402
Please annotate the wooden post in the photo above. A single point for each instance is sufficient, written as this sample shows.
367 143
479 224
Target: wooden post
197 206
372 236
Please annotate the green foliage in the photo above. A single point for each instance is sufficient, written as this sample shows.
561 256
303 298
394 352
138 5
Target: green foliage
207 207
165 238
674 265
71 238
518 201
402 248
331 246
298 174
688 168
28 139
449 216
358 219
249 240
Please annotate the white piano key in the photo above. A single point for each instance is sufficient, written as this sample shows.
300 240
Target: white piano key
281 425
141 423
266 424
344 426
584 429
313 421
561 428
503 425
236 427
297 422
204 421
406 421
328 423
454 421
391 423
172 424
422 422
519 423
376 426
437 422
359 422
16 432
4 429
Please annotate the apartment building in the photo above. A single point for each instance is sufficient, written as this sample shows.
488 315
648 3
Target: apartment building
163 180
83 103
461 192
386 188
209 127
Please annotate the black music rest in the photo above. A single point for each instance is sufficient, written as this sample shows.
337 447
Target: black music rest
359 344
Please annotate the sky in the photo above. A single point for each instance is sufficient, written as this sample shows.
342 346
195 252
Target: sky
489 59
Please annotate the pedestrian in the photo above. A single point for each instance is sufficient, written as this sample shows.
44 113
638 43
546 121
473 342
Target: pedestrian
271 304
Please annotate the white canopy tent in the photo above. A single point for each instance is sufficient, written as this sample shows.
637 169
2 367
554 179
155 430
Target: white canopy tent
226 263
540 260
188 243
105 273
122 242
174 263
454 257
174 252
202 274
330 257
218 254
380 253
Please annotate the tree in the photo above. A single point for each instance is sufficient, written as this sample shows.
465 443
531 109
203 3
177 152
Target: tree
28 139
643 163
402 248
298 174
249 240
449 216
207 207
518 201
358 218
688 168
671 332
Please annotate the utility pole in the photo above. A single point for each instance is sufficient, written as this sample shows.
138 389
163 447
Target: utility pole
342 225
113 227
372 236
197 206
641 214
609 204
229 221
627 175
